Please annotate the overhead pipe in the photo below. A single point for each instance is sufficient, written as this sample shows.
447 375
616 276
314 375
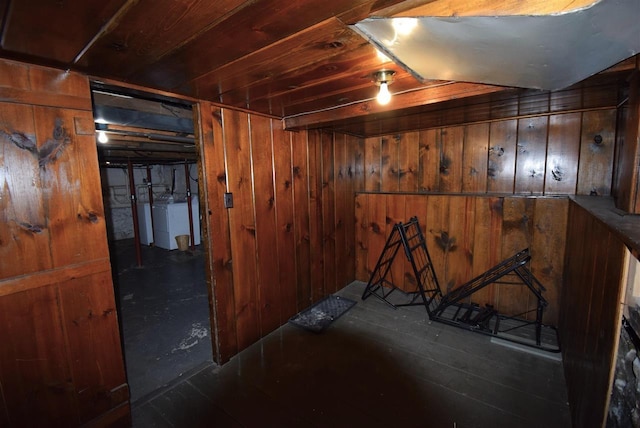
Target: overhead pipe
134 214
187 179
150 189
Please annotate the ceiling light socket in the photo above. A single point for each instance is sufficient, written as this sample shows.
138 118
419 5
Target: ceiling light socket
383 76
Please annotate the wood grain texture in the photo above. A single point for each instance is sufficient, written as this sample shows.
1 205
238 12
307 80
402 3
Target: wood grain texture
596 153
61 362
216 228
563 151
466 235
502 156
242 227
268 278
626 185
530 158
285 220
590 318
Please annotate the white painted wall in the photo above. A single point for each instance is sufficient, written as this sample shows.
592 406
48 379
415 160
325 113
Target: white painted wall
115 191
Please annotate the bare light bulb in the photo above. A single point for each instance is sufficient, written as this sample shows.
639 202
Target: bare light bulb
384 96
102 137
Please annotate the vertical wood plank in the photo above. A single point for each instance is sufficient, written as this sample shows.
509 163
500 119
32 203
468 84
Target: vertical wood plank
475 158
408 161
242 227
74 209
429 161
343 216
22 209
285 222
389 148
503 136
316 233
487 244
396 214
362 237
563 154
530 161
517 224
328 213
372 164
452 142
415 206
268 281
88 310
376 230
547 246
439 242
219 268
461 229
37 371
301 205
597 143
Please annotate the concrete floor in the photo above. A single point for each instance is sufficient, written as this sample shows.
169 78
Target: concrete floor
374 367
164 315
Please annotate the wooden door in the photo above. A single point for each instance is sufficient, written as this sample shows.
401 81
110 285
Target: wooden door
60 355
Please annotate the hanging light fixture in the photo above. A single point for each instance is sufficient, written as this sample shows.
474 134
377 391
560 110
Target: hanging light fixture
383 79
102 135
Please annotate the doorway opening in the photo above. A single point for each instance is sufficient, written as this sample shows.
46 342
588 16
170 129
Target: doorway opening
149 172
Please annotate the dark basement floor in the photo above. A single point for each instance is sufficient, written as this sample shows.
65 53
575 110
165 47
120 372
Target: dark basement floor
373 367
164 315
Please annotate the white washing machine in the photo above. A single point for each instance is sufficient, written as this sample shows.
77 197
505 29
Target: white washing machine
171 220
144 223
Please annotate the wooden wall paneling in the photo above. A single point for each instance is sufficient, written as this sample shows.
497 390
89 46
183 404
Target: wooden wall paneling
547 246
438 238
216 227
415 206
88 310
329 207
70 155
531 154
61 361
563 154
475 158
429 161
408 161
590 320
627 183
301 205
517 223
343 211
316 223
487 244
268 278
503 138
377 229
36 375
459 257
450 166
285 221
396 214
22 207
390 152
362 237
354 152
242 227
372 164
597 145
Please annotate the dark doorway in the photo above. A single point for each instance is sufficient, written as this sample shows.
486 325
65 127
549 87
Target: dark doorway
149 163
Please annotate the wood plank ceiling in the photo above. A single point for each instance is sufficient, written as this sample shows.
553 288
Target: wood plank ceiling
292 59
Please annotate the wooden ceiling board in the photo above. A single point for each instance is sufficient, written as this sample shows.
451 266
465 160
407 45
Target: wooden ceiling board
338 74
323 42
260 24
152 29
55 30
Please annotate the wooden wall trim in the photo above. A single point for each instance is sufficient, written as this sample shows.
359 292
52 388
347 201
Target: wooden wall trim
44 99
53 276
